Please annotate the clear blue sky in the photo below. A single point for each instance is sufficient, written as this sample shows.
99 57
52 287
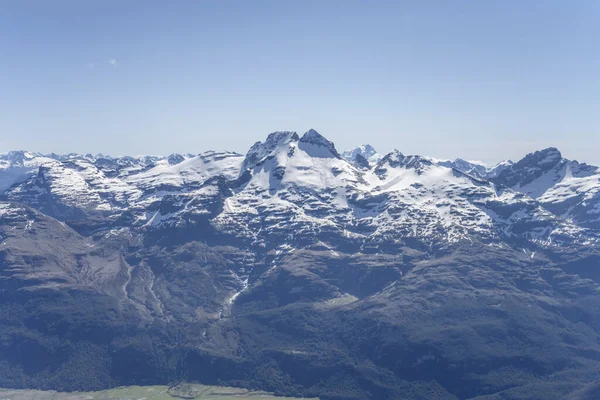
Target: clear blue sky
481 80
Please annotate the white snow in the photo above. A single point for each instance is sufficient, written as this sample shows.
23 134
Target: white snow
193 170
301 187
4 209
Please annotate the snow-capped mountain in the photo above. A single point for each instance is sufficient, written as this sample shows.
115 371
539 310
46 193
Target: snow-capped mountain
17 165
567 188
476 169
303 183
498 168
395 270
365 151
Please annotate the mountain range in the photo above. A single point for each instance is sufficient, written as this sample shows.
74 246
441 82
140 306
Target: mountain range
302 271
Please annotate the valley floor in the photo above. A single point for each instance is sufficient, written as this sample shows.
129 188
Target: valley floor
186 391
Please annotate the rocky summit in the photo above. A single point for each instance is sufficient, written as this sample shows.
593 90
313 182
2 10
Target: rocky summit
299 270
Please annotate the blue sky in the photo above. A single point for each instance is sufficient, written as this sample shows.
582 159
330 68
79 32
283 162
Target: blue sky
483 80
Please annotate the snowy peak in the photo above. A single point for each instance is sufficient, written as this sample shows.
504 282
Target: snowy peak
280 137
532 167
18 158
567 188
365 151
498 168
316 145
314 137
473 168
16 166
175 159
285 162
395 159
262 150
545 158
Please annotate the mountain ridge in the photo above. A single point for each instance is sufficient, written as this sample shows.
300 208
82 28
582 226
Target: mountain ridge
295 270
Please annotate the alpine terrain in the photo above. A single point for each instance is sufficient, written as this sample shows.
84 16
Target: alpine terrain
299 270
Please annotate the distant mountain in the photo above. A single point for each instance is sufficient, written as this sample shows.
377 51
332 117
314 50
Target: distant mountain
474 168
302 271
478 170
17 165
363 152
567 188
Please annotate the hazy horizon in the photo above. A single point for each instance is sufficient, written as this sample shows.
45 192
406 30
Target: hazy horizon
340 150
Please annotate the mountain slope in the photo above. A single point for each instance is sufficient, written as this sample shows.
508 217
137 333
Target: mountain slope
294 270
472 168
16 166
567 188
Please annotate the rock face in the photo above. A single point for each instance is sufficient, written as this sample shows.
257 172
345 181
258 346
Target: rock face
298 270
565 187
